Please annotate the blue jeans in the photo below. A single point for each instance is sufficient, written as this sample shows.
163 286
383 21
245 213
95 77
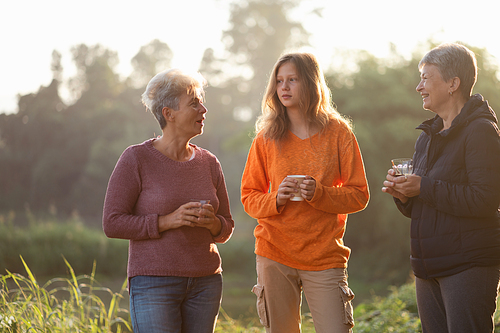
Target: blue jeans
169 304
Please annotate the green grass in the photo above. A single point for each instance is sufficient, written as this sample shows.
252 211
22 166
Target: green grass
61 305
75 304
394 313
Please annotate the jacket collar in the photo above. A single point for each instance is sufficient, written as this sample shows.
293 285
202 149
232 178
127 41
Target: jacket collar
476 107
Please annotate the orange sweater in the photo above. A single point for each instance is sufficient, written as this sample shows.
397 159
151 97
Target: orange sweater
306 235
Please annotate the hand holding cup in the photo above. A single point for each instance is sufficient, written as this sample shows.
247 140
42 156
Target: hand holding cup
295 188
400 187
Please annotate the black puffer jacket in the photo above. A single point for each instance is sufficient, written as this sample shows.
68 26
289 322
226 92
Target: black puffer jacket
455 221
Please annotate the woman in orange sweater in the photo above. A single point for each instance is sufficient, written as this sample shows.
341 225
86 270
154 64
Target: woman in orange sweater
299 244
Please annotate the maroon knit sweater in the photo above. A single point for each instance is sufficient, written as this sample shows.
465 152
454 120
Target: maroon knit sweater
145 184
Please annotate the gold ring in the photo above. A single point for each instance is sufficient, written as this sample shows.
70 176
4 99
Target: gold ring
406 177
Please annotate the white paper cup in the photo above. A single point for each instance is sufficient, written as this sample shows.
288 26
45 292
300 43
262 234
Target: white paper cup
299 178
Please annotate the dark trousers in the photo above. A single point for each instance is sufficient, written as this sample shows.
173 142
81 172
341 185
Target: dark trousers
464 302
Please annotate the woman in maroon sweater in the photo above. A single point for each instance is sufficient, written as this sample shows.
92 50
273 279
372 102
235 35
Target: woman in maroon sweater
174 267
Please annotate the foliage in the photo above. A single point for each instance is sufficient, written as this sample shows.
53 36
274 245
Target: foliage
42 243
61 305
150 60
73 305
395 313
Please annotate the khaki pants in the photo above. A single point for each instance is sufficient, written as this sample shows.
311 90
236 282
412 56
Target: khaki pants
279 290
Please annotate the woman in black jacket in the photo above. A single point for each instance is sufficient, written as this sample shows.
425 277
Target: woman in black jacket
453 198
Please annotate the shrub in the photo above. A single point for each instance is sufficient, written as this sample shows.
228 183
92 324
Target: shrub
43 243
395 313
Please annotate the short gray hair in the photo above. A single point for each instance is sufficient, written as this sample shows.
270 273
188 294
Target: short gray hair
454 60
166 88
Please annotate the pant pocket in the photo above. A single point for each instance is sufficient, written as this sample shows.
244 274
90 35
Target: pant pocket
347 296
258 290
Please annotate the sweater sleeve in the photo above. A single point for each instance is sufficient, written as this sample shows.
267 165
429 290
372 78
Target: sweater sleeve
257 201
223 213
350 194
480 196
123 190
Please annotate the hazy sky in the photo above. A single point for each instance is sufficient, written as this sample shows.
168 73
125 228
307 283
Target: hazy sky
30 30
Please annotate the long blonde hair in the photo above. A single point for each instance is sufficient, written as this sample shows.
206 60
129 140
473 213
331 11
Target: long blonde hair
315 99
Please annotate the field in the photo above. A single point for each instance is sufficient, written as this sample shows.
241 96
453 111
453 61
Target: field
82 286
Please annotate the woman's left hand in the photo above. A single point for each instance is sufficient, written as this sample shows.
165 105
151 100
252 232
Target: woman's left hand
206 219
408 185
308 187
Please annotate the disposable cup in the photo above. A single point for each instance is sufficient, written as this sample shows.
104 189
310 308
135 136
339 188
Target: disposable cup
298 196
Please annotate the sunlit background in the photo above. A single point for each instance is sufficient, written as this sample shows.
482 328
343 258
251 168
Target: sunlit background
30 30
76 118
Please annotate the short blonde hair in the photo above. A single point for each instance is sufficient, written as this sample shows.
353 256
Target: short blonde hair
315 98
454 60
166 88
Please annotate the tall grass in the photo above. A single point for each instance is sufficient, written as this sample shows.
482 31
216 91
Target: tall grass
72 305
61 305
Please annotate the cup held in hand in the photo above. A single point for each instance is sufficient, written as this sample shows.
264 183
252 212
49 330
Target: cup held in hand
402 166
202 201
299 178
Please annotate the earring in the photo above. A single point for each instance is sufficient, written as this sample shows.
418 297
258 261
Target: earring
451 93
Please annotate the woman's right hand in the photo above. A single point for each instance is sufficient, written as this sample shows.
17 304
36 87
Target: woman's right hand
185 215
390 182
287 189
